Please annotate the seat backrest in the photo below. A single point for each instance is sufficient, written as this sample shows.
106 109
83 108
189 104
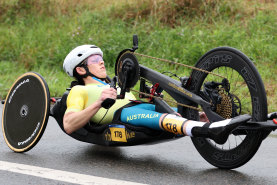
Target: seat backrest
58 110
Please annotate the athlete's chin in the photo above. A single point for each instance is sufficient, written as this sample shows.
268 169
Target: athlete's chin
103 75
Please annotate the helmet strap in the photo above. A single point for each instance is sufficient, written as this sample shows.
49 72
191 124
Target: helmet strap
88 73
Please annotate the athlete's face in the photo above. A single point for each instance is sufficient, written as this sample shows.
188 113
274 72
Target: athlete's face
96 66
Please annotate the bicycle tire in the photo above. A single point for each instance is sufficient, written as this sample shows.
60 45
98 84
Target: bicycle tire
234 59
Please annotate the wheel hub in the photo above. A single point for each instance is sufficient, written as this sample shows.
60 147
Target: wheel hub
24 111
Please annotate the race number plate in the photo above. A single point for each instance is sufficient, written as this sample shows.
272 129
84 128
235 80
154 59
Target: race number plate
118 133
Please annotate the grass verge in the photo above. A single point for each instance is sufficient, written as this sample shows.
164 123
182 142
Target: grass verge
37 35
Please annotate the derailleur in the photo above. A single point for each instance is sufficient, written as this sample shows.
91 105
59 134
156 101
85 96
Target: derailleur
222 101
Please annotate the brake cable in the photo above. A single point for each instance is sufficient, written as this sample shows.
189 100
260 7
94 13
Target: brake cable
172 74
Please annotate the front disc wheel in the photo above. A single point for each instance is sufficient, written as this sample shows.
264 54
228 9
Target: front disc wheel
26 112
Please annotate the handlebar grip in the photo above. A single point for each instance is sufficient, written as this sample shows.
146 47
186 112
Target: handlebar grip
107 103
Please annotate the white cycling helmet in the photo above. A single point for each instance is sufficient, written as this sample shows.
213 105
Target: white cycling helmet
77 55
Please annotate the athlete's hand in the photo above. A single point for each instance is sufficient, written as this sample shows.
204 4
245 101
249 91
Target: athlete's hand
203 117
108 93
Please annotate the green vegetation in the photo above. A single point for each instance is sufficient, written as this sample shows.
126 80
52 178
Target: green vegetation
36 35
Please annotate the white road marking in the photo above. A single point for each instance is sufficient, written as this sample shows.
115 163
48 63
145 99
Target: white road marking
60 175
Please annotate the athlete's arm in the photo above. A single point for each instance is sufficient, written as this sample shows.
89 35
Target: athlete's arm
73 121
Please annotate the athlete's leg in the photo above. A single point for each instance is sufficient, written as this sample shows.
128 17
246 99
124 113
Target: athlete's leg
144 115
218 131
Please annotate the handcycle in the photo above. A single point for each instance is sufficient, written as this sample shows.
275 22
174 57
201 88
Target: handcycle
224 83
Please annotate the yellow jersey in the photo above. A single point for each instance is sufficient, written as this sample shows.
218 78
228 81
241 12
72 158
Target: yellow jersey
80 97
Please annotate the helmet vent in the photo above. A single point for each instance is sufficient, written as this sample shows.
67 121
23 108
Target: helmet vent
79 55
93 47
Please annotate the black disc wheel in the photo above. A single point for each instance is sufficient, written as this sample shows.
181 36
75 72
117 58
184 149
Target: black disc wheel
246 96
26 112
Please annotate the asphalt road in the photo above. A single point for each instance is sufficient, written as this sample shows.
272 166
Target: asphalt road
175 162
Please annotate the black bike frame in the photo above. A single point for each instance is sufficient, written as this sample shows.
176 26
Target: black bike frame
176 91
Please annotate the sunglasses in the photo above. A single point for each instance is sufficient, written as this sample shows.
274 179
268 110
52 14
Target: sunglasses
93 59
